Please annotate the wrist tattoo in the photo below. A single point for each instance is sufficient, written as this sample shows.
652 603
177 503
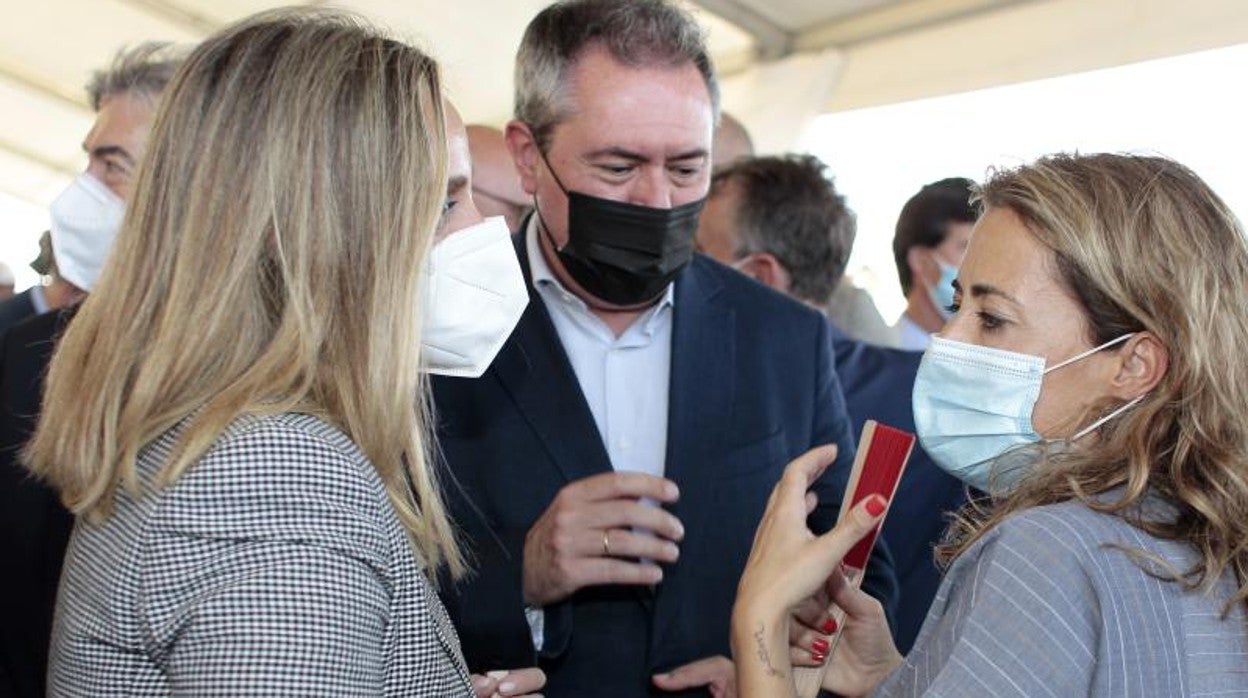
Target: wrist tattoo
763 655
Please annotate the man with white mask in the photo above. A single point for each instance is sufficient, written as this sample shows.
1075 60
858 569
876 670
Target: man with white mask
85 220
475 297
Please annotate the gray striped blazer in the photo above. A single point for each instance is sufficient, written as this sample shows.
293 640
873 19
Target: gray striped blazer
274 566
1041 607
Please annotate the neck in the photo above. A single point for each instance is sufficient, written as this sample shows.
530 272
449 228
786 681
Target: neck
616 318
60 294
923 312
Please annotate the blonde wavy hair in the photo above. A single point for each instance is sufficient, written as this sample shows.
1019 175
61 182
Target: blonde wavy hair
269 262
1145 245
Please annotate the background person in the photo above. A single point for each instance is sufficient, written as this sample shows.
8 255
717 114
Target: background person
495 183
1094 299
931 238
34 526
51 293
780 220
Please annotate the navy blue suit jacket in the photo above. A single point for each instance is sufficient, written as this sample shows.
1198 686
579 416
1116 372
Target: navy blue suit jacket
878 382
34 527
753 385
14 310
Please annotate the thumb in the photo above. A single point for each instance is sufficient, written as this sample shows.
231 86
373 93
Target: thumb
694 674
832 546
483 686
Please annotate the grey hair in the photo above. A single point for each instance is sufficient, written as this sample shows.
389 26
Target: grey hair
144 70
637 33
789 208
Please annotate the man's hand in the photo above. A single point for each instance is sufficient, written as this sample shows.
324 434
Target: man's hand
715 673
596 532
517 683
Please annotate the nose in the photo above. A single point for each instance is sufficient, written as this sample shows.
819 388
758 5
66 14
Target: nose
652 188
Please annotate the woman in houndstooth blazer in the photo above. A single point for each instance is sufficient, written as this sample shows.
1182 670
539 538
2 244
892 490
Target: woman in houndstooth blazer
233 413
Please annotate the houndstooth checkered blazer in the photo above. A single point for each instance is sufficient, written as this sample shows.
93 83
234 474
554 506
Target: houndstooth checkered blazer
274 566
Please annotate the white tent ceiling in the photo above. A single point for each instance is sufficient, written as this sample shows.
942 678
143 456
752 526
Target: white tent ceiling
881 51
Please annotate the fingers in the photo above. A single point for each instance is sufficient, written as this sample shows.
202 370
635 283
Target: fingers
519 682
832 546
483 686
814 644
631 514
628 544
801 656
623 485
806 468
812 501
703 672
811 612
609 570
855 602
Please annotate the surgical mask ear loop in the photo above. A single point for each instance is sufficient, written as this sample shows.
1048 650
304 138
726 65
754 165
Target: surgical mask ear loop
1094 425
1090 352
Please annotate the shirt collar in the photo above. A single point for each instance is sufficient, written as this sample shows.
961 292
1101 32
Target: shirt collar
38 299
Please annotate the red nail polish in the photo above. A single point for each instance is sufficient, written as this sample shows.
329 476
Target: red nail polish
876 505
829 626
818 658
820 646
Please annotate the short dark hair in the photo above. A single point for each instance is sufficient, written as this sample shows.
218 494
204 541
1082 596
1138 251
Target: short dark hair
145 70
640 33
789 208
925 219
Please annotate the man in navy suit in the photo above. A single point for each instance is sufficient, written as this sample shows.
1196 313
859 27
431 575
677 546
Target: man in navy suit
609 469
781 221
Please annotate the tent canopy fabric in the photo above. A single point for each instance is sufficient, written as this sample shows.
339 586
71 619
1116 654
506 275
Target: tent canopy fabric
781 61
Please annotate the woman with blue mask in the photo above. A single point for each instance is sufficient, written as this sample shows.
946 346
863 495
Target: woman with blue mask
1091 383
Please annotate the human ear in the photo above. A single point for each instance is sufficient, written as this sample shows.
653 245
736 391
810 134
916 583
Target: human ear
768 270
922 266
523 147
1142 363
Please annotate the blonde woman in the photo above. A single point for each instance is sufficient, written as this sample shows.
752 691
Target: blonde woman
1093 381
235 412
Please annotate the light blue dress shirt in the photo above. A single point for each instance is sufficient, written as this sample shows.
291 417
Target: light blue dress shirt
625 379
910 336
38 299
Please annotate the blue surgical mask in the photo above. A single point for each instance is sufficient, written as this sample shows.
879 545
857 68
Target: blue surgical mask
972 404
942 293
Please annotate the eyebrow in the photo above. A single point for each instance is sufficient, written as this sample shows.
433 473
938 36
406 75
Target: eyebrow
456 184
981 290
104 151
626 154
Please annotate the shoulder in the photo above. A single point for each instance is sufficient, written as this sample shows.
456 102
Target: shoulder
30 331
17 307
1060 547
752 301
279 475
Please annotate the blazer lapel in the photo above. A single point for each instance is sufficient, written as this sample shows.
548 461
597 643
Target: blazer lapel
535 371
703 389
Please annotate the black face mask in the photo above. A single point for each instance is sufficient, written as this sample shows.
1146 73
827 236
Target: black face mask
623 253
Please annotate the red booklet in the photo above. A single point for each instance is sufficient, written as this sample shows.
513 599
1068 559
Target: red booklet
882 456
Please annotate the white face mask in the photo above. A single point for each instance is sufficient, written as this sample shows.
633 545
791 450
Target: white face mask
475 295
85 220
